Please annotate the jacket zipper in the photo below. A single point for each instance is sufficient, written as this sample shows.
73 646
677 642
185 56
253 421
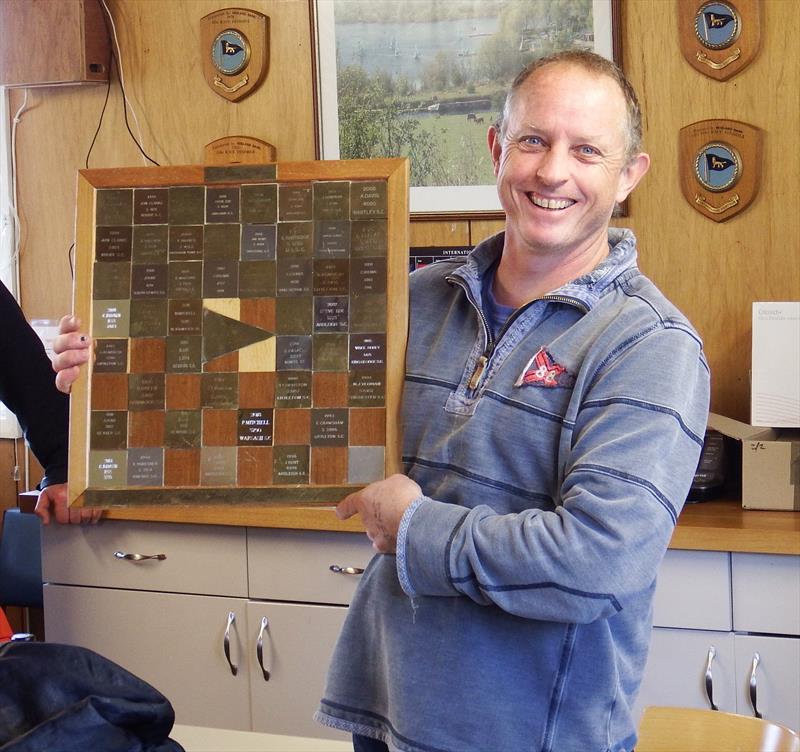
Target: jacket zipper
491 343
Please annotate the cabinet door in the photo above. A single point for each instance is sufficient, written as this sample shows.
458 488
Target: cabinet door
297 643
776 688
676 670
172 641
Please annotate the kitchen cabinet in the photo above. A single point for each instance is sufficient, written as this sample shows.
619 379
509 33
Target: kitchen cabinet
745 633
235 626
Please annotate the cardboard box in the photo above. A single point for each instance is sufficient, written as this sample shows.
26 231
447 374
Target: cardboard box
770 463
775 385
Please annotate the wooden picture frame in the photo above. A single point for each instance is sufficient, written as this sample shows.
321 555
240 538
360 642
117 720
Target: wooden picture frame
236 310
470 116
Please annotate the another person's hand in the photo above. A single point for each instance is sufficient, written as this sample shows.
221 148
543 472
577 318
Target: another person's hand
53 499
381 506
72 349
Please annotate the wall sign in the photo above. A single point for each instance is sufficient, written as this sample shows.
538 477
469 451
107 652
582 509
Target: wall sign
720 166
235 51
719 38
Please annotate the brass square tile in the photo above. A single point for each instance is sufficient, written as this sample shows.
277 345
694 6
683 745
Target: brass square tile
331 199
114 206
146 467
330 352
219 390
368 199
149 281
150 244
113 243
187 205
294 315
184 354
259 203
185 279
258 242
151 206
290 465
369 238
108 429
186 243
182 429
295 240
331 313
331 276
257 279
112 280
111 318
332 238
146 391
294 202
108 469
222 204
110 355
221 242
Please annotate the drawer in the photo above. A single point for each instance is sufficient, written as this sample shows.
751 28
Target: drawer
694 590
766 593
296 565
198 558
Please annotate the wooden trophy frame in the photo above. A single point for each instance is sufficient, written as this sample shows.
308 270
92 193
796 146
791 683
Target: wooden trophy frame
249 326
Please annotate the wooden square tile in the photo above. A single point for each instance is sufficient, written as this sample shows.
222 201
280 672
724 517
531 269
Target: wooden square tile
329 465
183 391
367 426
224 364
256 389
181 467
329 389
109 391
146 428
258 312
292 427
220 427
148 355
255 466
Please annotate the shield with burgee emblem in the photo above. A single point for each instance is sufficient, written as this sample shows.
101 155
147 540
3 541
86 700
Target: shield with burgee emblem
719 38
235 51
720 166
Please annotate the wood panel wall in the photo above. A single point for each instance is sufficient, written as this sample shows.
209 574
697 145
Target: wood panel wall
713 272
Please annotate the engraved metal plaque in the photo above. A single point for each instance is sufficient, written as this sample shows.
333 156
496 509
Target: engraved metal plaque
295 239
151 206
186 243
219 390
329 427
367 200
185 279
114 243
332 200
259 203
293 389
184 354
187 205
222 204
109 429
149 281
111 356
146 467
367 352
366 388
112 280
114 207
293 353
258 242
290 464
150 244
331 313
255 427
294 203
182 429
294 276
146 391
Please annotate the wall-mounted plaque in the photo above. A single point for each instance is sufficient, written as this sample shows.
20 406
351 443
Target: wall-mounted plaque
235 51
238 320
719 38
720 166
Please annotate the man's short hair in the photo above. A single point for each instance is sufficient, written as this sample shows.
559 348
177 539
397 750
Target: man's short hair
594 63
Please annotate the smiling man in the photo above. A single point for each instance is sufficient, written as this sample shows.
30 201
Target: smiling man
554 410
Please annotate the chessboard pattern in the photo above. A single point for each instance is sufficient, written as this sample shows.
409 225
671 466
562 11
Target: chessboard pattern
239 334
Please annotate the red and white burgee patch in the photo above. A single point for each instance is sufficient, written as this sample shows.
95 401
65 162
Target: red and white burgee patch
542 370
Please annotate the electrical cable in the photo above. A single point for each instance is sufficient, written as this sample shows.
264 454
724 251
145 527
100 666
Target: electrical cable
116 57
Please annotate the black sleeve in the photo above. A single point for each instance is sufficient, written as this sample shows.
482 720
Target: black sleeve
27 388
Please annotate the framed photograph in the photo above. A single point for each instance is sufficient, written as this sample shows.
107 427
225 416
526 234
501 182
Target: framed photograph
425 79
244 355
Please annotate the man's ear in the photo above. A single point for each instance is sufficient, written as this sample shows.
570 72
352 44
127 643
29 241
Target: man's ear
494 140
631 174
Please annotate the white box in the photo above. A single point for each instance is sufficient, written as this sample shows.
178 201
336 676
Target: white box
775 385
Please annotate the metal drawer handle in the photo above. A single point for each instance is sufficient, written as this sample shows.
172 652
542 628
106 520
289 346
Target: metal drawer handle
260 647
712 652
754 685
138 557
345 570
226 643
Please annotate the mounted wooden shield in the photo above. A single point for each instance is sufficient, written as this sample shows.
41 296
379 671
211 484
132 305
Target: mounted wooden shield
720 166
719 38
235 51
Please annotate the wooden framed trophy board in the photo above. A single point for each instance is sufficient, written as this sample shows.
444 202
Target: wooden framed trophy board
249 326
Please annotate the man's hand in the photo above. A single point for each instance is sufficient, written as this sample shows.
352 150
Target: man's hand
381 506
54 499
72 349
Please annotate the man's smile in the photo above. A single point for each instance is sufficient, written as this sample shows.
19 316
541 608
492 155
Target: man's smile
550 203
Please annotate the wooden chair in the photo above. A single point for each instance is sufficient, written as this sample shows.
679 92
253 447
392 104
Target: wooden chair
666 729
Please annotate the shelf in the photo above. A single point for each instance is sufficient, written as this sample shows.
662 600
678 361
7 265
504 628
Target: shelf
725 526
